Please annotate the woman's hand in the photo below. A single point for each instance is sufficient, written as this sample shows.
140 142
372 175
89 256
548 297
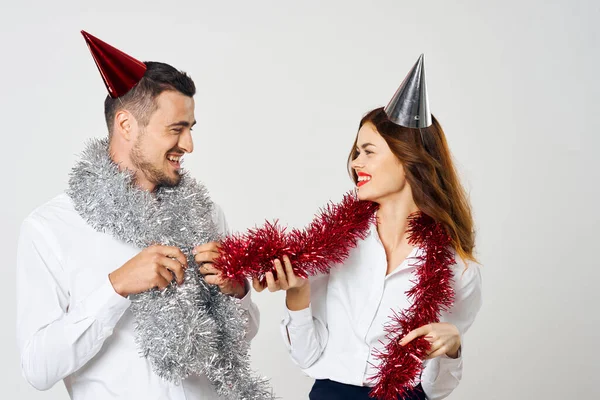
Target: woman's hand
444 338
297 289
286 279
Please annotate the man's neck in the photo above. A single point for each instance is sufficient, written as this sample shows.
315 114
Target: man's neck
123 162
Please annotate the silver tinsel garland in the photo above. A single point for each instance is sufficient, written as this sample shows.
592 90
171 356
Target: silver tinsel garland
188 329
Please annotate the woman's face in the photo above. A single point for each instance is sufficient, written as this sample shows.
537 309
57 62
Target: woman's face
380 173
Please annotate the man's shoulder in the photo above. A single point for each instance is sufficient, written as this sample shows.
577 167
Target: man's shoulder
59 209
218 217
57 205
217 212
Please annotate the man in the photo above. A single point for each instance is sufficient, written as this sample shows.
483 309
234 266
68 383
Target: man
106 300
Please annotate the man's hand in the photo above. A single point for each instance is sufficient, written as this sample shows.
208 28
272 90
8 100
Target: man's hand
205 255
153 267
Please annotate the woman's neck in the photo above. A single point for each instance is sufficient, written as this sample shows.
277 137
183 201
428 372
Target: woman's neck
392 221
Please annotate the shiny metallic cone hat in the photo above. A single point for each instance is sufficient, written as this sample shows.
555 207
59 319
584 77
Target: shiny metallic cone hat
410 107
120 72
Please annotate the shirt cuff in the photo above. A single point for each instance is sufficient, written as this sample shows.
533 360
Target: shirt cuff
246 301
300 317
106 306
448 363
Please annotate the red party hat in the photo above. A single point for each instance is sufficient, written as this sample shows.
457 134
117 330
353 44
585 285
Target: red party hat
119 71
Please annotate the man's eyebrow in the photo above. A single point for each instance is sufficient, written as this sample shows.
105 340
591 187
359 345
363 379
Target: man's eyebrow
181 123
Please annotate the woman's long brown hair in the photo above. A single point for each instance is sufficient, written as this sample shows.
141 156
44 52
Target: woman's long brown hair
431 175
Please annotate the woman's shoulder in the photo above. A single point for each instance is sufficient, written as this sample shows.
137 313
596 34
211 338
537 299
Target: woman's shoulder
467 295
467 276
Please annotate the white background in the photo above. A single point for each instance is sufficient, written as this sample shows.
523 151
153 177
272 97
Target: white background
282 86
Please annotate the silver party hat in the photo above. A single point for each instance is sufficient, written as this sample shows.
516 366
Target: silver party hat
409 107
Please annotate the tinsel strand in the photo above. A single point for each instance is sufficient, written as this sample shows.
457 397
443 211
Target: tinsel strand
327 241
188 329
401 366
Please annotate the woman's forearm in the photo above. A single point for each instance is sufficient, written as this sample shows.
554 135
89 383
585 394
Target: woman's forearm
298 298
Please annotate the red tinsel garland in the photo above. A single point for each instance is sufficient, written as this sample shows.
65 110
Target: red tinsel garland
327 241
401 366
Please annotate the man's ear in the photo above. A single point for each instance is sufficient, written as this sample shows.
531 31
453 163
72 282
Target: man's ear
124 122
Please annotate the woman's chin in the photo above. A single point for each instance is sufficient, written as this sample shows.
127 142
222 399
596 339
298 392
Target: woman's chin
361 194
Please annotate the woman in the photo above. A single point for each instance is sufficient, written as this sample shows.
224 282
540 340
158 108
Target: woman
334 323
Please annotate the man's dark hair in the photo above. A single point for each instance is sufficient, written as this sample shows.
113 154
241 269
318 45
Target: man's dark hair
141 99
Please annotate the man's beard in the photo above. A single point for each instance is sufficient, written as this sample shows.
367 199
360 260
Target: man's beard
155 175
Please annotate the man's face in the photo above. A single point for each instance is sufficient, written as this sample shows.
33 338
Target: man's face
158 147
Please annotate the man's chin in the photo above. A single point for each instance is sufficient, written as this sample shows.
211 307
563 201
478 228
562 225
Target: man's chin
170 181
